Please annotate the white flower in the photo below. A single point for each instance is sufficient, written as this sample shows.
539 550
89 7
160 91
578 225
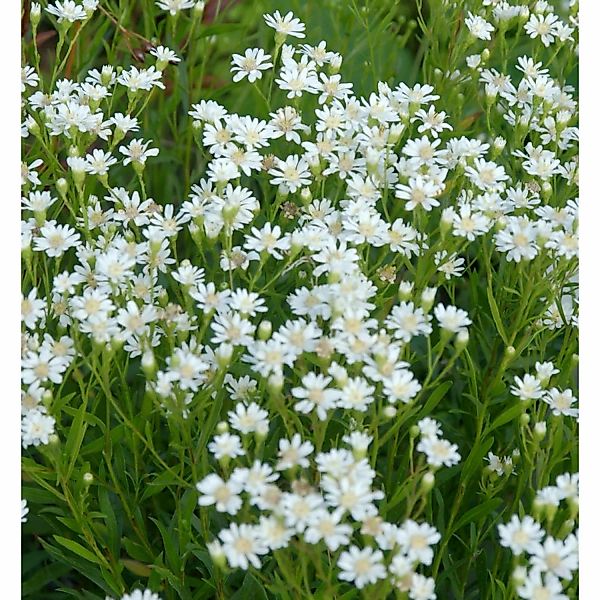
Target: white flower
416 540
479 27
361 567
137 151
520 535
439 451
67 10
293 453
226 445
174 6
288 25
451 318
242 545
250 65
223 494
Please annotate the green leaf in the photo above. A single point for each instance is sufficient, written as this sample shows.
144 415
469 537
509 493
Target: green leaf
477 512
251 588
77 548
496 315
508 415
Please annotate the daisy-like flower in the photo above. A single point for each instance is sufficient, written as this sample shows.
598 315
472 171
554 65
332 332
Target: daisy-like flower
36 428
287 25
528 388
479 27
520 535
249 419
518 240
226 445
451 318
439 451
99 162
223 494
141 79
293 453
68 10
242 545
543 26
29 77
137 151
362 567
164 55
416 540
32 309
537 586
29 174
555 556
314 395
561 403
175 6
250 65
55 239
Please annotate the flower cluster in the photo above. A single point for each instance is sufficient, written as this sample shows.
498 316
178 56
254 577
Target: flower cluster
329 310
546 563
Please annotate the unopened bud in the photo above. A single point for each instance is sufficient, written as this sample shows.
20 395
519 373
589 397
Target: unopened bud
35 14
405 290
462 340
519 575
62 186
539 430
390 411
47 398
427 482
265 329
149 363
275 383
222 427
216 554
414 431
427 298
224 354
305 196
335 63
88 478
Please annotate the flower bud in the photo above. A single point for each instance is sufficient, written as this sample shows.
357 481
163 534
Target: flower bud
427 298
539 431
35 14
524 420
222 427
216 554
405 290
88 478
62 186
396 131
275 383
47 398
427 482
335 63
390 411
149 363
462 340
414 431
519 575
265 329
224 354
305 196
